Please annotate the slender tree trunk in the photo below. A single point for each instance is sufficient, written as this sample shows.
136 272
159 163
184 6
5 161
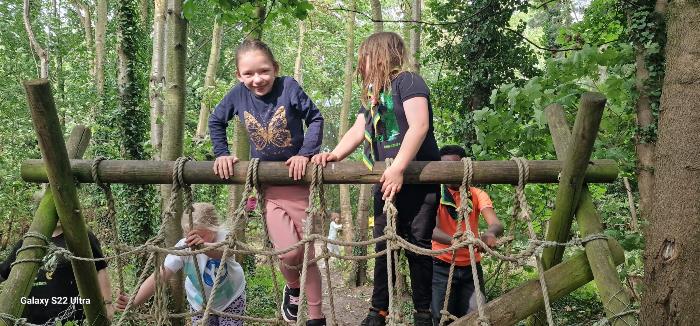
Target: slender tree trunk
671 261
83 11
377 15
157 79
132 122
39 51
414 33
644 145
174 125
209 79
100 52
143 13
362 234
298 75
55 47
406 13
634 224
345 204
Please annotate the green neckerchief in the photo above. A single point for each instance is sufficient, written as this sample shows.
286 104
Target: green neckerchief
447 200
375 127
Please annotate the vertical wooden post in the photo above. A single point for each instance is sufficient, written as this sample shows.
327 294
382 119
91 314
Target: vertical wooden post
19 282
65 196
173 130
612 294
576 160
571 180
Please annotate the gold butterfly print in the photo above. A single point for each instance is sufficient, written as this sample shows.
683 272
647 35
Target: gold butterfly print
276 132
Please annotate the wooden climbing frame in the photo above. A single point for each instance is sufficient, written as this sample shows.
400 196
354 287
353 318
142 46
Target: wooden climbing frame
572 172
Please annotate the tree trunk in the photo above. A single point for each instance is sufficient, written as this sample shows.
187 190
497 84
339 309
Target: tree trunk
83 11
406 14
671 262
174 125
634 223
36 47
360 266
414 42
298 74
345 202
377 15
100 52
209 79
132 121
644 145
156 81
143 13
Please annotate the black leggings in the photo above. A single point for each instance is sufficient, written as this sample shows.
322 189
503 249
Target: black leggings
417 207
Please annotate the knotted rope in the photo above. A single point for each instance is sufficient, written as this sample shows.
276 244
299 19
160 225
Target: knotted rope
524 211
391 252
467 235
110 218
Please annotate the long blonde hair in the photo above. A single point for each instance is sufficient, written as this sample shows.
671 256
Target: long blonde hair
203 216
385 54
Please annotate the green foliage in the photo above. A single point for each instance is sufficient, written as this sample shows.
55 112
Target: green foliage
475 56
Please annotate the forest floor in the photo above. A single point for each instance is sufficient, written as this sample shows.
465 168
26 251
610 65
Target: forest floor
351 303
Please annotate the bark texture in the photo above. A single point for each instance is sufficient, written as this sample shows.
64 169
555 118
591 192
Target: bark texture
210 79
157 79
345 202
671 261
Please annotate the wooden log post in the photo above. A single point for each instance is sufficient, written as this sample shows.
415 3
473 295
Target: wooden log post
160 172
612 293
65 196
21 279
526 299
576 159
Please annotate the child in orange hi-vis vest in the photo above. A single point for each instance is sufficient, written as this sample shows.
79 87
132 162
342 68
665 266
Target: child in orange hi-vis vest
462 296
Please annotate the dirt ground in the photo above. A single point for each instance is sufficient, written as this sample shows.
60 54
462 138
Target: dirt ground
351 303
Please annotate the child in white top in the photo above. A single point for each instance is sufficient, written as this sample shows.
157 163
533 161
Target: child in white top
333 229
230 293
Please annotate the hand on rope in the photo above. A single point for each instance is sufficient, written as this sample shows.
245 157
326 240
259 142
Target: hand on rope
391 181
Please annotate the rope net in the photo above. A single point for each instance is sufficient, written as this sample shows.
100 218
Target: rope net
155 249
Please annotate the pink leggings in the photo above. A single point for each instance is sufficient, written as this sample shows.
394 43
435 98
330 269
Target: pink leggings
285 214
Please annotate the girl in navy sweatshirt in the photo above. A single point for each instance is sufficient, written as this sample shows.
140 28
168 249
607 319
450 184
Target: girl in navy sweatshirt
274 110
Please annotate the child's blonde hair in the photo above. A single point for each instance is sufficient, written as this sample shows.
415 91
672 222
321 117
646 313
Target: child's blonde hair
385 54
203 217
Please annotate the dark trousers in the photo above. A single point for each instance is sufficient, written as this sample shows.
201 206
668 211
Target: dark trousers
417 207
462 295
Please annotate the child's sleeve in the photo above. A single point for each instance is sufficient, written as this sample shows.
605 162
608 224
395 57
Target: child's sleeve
483 198
412 85
173 262
218 121
312 118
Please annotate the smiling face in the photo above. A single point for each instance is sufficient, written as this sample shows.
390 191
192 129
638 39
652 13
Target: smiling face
256 71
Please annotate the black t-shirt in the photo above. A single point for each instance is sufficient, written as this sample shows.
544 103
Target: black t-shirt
59 287
405 86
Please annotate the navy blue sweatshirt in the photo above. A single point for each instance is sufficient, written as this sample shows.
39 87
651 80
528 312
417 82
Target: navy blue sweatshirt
275 121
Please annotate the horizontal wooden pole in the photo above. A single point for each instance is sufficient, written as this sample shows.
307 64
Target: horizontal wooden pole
562 279
160 172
